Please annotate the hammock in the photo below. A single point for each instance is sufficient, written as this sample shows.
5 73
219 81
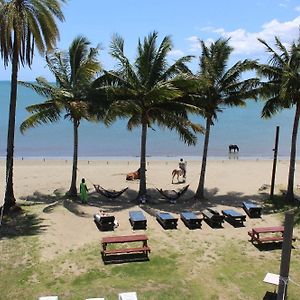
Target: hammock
112 194
172 195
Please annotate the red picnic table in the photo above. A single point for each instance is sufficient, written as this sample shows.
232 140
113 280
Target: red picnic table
144 248
270 234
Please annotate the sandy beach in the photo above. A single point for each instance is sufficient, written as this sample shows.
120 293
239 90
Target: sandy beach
58 233
228 184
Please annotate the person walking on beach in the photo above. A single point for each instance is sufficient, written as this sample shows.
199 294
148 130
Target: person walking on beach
182 166
83 191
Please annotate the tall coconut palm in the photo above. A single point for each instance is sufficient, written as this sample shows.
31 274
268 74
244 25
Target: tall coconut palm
74 72
24 25
145 92
281 89
219 87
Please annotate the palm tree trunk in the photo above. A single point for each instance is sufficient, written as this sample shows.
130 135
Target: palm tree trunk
73 190
290 189
143 188
200 189
10 199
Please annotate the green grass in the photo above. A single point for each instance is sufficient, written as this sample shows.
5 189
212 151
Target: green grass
225 269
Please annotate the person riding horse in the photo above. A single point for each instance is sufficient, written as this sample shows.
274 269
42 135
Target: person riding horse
182 166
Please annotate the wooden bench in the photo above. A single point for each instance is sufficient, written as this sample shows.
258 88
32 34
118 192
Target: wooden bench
256 233
143 249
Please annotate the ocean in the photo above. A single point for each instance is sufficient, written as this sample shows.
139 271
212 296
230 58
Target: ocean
242 126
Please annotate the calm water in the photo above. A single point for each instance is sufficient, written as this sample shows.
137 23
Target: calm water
241 126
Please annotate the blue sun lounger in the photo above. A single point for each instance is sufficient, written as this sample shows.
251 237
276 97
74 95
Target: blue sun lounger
253 210
166 220
137 220
233 217
190 220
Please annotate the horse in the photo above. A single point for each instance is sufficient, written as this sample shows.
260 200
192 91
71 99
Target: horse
234 148
177 172
133 175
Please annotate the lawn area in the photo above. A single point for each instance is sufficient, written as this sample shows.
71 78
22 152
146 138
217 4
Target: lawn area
220 267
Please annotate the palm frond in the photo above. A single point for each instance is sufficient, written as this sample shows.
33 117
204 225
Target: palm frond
42 117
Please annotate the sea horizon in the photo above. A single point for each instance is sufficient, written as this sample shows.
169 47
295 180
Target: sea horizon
242 126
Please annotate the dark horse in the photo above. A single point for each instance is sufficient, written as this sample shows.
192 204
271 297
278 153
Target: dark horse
233 148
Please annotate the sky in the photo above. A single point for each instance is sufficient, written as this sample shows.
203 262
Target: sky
185 21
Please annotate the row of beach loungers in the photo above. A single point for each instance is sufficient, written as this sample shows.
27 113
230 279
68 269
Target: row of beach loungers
190 219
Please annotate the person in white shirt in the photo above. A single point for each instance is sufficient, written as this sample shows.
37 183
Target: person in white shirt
182 165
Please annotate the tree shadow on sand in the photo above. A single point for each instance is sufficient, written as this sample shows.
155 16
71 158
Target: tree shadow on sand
74 205
21 224
188 203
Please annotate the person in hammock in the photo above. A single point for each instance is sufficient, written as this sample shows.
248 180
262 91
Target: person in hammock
83 192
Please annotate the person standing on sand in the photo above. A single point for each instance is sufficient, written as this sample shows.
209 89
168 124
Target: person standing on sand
83 191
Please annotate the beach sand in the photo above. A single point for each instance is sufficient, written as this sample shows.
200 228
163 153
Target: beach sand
69 225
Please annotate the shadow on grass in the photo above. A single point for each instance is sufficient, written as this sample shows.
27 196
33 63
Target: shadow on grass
279 205
125 258
23 224
268 246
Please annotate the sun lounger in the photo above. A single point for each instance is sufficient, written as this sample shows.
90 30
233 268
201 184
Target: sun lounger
233 217
253 210
48 298
213 217
190 220
137 220
128 296
104 223
166 220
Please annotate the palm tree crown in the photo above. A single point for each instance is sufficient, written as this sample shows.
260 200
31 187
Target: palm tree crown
27 23
218 87
145 91
281 89
74 72
24 25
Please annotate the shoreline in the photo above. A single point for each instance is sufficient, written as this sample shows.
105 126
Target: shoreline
231 157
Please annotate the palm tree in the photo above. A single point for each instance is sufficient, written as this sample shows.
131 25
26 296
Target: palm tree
281 89
219 87
24 25
145 92
74 72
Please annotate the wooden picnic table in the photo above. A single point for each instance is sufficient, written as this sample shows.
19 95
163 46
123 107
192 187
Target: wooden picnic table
166 220
253 210
234 217
213 217
137 220
256 233
145 249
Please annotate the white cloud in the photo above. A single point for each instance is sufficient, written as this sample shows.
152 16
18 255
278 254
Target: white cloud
297 8
194 43
246 43
176 53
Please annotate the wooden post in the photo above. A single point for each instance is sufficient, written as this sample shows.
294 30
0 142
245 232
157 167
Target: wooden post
274 162
285 256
